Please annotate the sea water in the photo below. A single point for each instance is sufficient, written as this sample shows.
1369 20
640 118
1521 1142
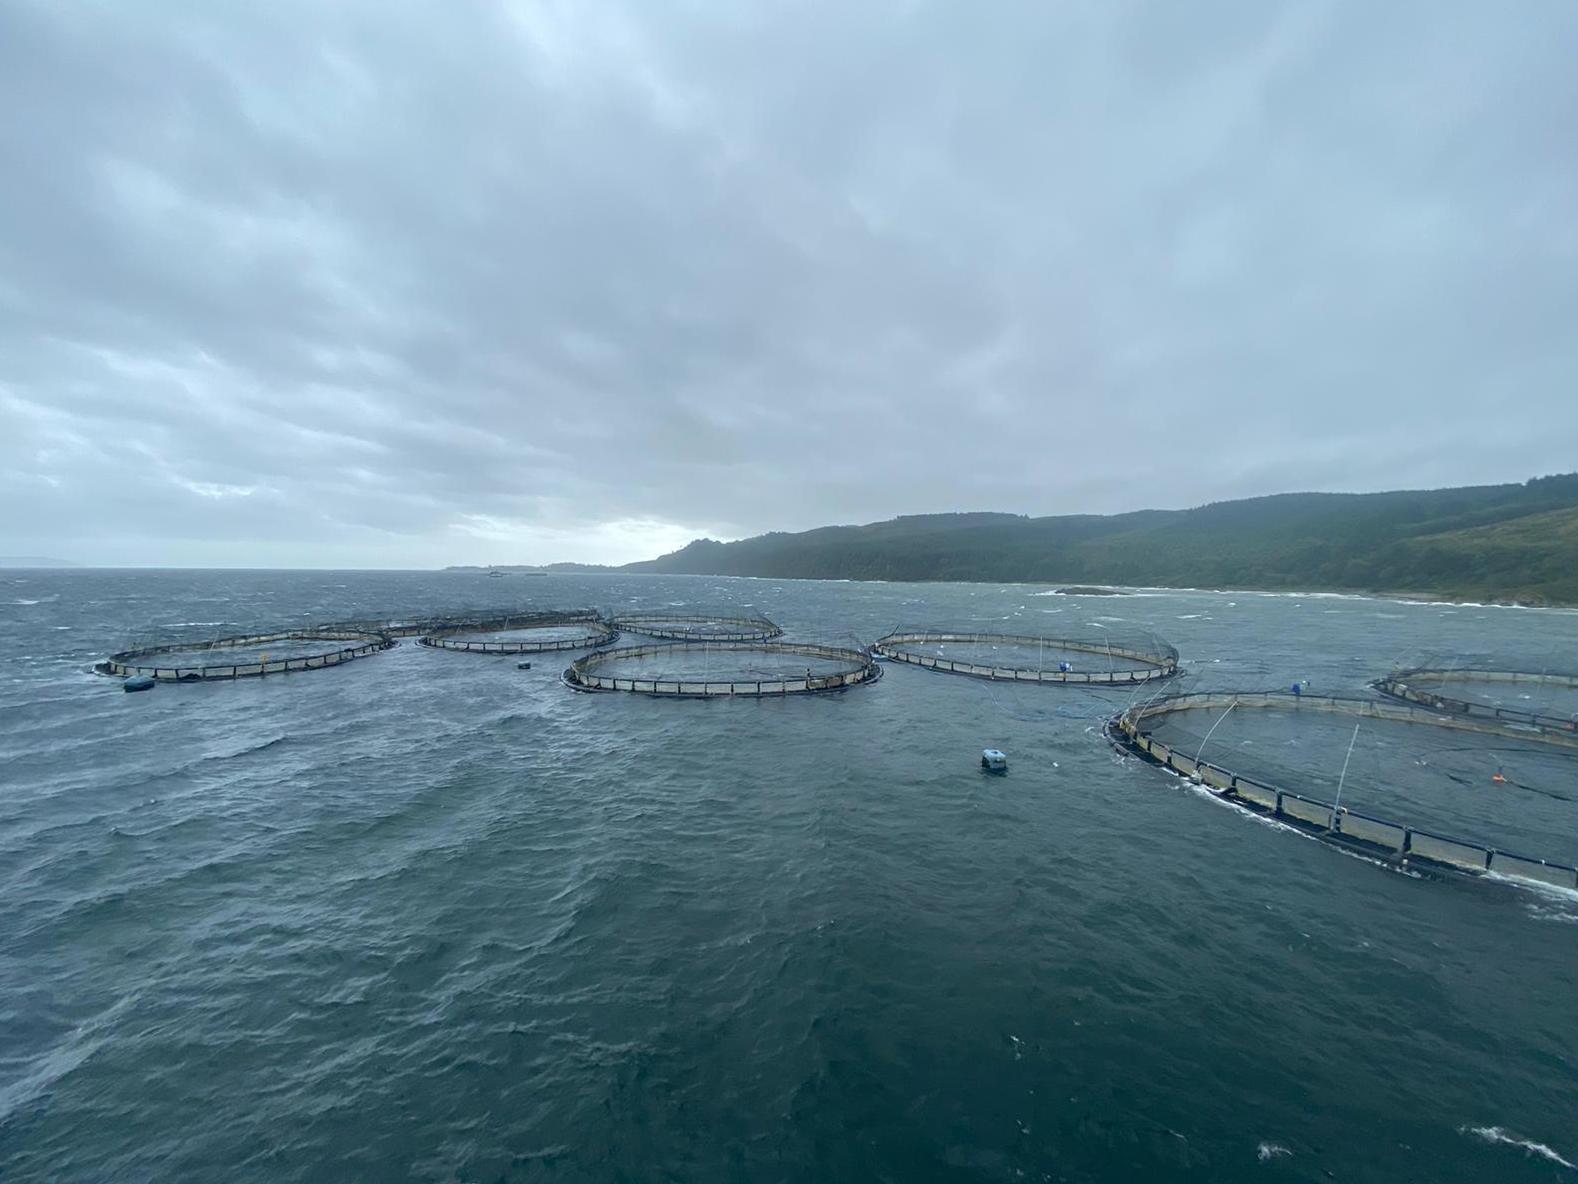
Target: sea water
428 916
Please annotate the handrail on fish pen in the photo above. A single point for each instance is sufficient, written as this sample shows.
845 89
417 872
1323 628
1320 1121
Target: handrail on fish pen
1154 661
693 626
856 668
461 634
1413 686
1330 821
134 662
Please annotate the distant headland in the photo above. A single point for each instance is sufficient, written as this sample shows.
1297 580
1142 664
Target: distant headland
1515 543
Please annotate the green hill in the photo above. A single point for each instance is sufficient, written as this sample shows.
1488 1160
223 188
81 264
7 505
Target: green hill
1502 542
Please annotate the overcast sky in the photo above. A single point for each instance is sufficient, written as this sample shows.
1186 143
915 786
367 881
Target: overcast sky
387 284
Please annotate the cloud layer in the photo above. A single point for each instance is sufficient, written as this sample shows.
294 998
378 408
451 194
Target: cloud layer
390 284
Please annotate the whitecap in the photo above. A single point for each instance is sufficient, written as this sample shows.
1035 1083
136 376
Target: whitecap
1540 913
1267 1151
1497 1134
1552 892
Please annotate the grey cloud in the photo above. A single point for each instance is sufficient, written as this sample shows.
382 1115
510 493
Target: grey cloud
383 284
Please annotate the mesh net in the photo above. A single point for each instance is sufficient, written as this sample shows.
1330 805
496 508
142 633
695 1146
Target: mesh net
700 625
1414 772
705 662
1022 657
722 668
1544 698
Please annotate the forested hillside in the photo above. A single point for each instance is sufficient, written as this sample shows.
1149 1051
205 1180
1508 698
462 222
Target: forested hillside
1505 542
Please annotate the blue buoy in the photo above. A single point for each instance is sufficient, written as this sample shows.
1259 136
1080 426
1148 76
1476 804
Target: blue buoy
139 682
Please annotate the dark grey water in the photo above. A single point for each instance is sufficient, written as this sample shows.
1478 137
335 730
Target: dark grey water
428 916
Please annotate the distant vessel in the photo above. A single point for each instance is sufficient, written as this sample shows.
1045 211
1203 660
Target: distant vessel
494 573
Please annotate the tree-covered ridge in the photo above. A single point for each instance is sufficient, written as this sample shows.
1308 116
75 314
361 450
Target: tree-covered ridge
1503 542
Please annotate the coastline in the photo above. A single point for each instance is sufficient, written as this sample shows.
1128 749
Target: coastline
1052 587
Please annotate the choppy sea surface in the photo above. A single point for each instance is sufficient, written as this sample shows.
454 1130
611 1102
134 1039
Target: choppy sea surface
428 916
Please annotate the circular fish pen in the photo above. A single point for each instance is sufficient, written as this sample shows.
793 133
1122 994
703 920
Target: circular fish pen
1025 658
251 655
1546 701
723 669
1294 762
529 633
679 626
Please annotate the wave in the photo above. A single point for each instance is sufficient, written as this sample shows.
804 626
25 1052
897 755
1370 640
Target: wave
1269 1151
1200 789
64 1058
260 746
1553 892
1562 916
1380 597
1497 1134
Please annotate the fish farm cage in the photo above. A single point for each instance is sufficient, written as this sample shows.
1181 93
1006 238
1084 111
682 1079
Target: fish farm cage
723 669
695 626
1479 694
252 655
1143 731
1027 658
449 619
521 633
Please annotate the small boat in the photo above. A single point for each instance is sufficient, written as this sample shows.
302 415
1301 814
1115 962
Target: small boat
139 682
993 761
523 665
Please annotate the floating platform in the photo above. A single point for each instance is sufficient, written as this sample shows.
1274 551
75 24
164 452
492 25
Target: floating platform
682 626
339 646
1421 686
513 633
1379 837
723 669
1026 658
